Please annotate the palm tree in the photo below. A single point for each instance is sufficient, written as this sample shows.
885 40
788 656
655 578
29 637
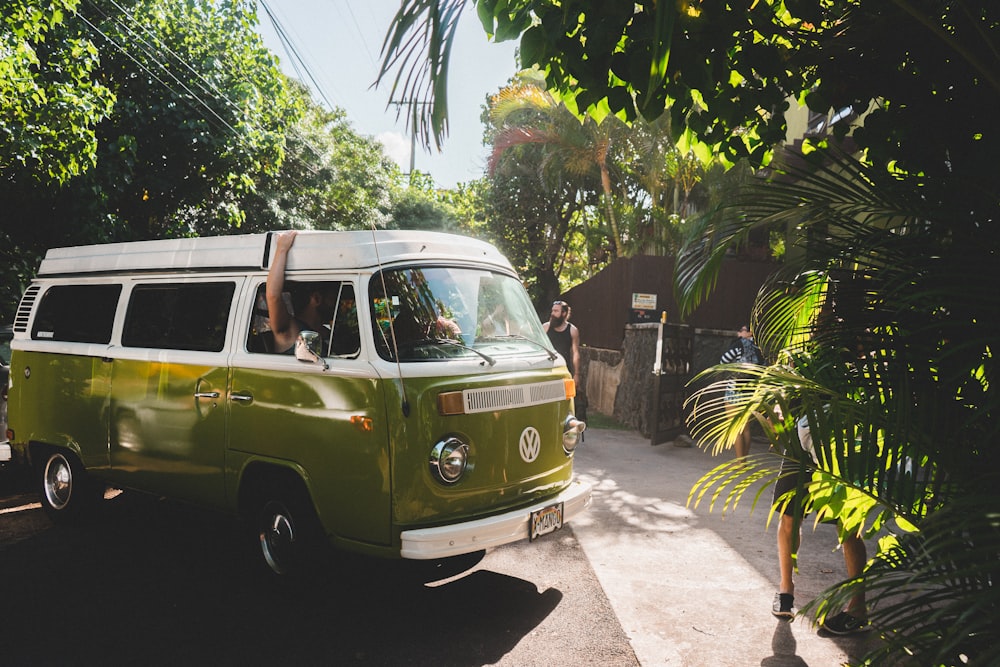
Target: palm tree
658 187
887 348
525 113
646 183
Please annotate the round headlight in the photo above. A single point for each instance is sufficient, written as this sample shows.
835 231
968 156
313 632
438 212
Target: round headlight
449 459
573 430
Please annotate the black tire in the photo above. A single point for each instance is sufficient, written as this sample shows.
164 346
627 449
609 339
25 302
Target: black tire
288 530
65 491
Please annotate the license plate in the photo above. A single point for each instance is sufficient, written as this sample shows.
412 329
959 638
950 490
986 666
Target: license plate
546 520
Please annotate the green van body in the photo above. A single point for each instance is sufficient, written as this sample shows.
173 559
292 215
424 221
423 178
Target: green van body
355 432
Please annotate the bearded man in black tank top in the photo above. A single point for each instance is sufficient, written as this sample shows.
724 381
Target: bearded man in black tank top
565 337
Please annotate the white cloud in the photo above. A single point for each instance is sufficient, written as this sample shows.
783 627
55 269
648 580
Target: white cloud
397 147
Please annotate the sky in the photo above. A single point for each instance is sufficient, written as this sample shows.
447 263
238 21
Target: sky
340 41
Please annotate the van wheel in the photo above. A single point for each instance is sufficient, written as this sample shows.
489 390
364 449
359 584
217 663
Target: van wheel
288 531
63 487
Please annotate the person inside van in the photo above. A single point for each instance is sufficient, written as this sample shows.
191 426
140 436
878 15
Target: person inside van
313 304
495 323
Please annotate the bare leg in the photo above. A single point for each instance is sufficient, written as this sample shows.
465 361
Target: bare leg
743 443
786 547
855 557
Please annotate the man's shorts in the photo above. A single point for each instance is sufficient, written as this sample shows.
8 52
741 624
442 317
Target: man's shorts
785 483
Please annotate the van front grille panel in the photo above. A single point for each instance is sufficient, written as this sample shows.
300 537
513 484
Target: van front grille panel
491 399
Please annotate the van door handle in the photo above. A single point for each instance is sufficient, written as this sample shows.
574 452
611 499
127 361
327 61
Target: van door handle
206 394
242 398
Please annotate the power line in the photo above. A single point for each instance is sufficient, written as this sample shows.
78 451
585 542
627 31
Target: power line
361 34
294 54
152 51
120 47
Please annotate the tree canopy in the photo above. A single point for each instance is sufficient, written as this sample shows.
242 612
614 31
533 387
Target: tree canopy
331 177
726 73
51 98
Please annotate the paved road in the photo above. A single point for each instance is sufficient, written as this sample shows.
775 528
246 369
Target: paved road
641 579
692 587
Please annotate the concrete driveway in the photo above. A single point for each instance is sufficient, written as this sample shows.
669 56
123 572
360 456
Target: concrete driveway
690 586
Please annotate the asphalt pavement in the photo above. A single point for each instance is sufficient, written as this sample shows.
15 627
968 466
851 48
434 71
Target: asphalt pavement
640 578
693 586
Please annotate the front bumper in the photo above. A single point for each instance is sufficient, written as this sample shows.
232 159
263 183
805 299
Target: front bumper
494 531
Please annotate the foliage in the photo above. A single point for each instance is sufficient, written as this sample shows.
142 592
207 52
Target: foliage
467 201
888 310
726 74
888 351
531 223
50 96
546 169
418 205
200 110
572 150
615 189
331 177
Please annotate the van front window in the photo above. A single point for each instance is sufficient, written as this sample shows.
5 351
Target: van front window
433 313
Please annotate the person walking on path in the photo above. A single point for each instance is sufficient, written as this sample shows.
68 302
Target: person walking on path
745 351
854 618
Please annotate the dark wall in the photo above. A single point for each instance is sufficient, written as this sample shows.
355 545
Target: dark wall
602 306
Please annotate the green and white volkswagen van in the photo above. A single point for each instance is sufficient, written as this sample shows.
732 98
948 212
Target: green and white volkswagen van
150 366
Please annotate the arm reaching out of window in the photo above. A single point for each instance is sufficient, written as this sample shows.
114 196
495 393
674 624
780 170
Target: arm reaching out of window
283 325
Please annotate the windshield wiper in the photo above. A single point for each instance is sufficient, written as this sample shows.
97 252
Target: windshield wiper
551 353
447 341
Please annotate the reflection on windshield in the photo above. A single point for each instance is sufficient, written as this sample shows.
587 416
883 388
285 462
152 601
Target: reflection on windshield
446 313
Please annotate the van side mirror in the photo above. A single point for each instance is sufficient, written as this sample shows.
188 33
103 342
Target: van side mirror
307 348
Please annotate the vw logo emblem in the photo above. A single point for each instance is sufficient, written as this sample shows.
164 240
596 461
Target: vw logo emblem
530 444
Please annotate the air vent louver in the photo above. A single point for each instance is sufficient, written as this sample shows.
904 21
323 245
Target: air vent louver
24 308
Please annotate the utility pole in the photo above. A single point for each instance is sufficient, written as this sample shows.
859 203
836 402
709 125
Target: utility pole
413 129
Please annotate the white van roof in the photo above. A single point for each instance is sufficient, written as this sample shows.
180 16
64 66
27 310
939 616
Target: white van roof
312 250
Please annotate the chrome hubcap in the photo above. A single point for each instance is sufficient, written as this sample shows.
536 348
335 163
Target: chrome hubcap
58 482
277 537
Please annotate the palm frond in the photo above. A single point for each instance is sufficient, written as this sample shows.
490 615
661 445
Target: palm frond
711 236
515 136
933 593
784 314
730 481
418 47
524 96
885 321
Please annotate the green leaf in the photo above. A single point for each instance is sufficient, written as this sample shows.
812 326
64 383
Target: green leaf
532 47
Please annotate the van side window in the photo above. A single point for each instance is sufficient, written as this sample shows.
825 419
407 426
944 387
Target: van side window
260 338
77 313
346 339
182 316
341 333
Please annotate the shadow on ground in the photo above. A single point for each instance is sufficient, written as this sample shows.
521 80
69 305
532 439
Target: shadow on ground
157 584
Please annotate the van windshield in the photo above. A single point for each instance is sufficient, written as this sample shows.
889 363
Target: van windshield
433 313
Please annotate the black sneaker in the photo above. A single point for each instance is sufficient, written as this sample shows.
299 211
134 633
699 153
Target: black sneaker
783 605
845 624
